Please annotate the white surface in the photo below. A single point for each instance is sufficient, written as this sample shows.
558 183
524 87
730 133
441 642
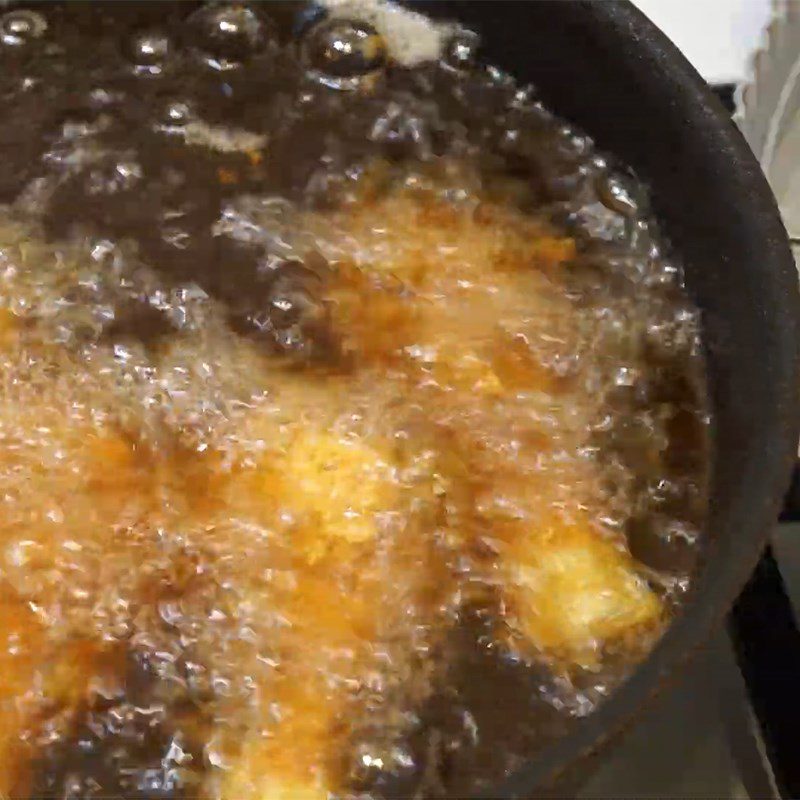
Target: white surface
717 36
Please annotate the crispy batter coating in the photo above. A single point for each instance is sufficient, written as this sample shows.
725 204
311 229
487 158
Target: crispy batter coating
329 498
571 590
442 282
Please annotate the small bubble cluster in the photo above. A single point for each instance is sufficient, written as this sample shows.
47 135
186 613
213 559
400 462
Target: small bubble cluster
352 411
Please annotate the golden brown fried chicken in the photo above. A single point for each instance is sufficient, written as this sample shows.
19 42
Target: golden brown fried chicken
571 590
345 569
441 282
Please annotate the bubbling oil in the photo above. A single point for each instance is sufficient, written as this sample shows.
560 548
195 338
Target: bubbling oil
353 416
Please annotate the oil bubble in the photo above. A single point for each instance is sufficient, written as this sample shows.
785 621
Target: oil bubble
227 35
616 195
175 115
461 52
148 50
21 26
109 179
343 52
570 144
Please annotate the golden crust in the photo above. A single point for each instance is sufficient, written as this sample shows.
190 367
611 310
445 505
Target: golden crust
571 591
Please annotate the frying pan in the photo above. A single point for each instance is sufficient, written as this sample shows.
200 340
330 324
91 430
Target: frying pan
607 69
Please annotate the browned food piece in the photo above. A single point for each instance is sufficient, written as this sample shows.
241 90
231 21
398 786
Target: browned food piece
21 646
68 488
428 241
75 497
338 486
373 318
569 586
299 733
345 586
418 280
573 591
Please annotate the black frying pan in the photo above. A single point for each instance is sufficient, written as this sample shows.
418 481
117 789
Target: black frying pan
607 69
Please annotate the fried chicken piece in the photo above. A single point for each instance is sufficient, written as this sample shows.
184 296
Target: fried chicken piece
572 591
21 645
348 592
270 770
432 243
379 324
374 319
67 487
569 586
294 745
337 485
442 272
